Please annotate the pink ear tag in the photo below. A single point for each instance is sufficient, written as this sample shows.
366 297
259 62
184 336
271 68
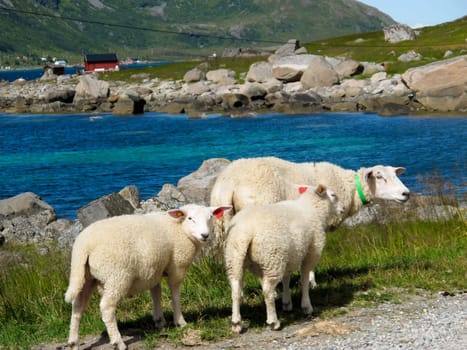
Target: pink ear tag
302 189
218 213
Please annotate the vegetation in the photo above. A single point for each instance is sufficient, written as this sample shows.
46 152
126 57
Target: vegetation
360 265
157 30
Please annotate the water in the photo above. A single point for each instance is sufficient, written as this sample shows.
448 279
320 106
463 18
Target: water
70 160
35 73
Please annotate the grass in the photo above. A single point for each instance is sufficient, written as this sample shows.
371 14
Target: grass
360 265
431 43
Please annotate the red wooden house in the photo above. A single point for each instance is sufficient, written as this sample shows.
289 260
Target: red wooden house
101 62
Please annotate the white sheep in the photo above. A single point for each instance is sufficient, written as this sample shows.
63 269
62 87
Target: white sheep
128 254
274 240
267 180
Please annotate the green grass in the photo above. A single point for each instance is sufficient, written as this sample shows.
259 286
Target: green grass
361 265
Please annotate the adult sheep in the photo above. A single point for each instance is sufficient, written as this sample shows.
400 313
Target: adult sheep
125 255
274 240
267 180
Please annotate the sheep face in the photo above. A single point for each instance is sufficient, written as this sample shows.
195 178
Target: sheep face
336 207
385 184
196 219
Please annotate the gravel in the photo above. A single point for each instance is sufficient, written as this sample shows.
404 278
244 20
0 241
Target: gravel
421 321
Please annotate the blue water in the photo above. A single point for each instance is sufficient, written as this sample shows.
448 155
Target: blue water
70 160
36 73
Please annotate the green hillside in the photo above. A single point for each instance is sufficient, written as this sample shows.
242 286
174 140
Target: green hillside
176 29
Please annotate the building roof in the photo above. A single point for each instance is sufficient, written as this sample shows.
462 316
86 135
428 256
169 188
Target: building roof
101 57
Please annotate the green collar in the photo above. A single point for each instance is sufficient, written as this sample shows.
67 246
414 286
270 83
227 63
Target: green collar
358 185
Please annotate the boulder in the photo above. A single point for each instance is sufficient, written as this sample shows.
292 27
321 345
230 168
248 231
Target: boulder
253 91
194 75
62 95
91 88
131 194
198 88
220 75
24 219
291 68
197 185
345 67
410 56
129 102
319 73
289 48
169 197
110 205
440 85
398 32
233 100
259 72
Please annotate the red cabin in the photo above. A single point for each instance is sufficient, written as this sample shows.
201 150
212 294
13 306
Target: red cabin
101 62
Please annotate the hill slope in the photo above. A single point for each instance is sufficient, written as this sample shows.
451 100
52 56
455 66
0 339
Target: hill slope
172 29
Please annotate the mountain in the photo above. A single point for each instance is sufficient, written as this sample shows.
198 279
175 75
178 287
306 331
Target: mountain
175 29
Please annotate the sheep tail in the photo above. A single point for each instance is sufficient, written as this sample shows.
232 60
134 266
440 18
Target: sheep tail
79 260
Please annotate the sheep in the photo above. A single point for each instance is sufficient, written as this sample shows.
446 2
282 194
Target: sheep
128 254
274 240
267 180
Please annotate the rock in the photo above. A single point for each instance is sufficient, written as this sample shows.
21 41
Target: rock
410 56
398 32
197 185
62 95
235 100
441 85
319 73
288 49
220 75
194 75
24 219
259 72
110 205
129 102
131 194
344 67
291 68
198 88
91 88
253 91
372 67
169 197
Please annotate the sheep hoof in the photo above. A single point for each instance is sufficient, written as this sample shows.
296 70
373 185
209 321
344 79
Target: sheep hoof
160 323
287 307
120 346
73 345
308 310
275 326
236 327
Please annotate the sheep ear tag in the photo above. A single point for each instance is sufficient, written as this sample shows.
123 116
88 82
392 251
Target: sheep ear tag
302 189
219 212
176 213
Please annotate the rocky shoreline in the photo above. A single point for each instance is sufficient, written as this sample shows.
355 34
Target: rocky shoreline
27 219
288 81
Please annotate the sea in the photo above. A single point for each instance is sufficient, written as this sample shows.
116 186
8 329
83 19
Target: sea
35 73
71 160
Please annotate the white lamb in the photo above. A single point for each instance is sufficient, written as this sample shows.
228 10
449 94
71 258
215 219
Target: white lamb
267 180
274 240
125 255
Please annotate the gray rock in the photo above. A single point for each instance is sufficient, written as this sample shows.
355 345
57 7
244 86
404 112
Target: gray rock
319 73
197 185
291 68
398 32
410 56
110 205
259 72
194 75
131 194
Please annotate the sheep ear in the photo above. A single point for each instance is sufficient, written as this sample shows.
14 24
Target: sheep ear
320 190
176 213
220 211
399 170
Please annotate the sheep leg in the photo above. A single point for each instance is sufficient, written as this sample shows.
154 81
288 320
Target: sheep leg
236 285
269 292
175 290
305 281
156 294
77 309
313 283
286 297
108 306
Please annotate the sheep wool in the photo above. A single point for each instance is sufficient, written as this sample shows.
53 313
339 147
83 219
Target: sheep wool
128 254
274 240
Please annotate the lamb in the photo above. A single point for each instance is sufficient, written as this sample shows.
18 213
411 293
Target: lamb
274 240
128 254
